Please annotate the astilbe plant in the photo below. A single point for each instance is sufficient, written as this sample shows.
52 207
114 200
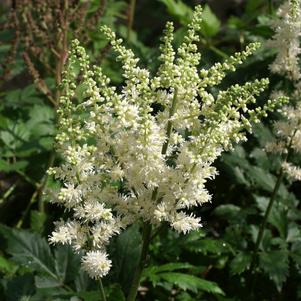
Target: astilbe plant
286 41
143 153
288 130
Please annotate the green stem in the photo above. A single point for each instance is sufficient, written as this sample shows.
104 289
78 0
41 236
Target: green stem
265 219
8 192
270 3
131 18
270 205
147 230
27 209
102 291
217 51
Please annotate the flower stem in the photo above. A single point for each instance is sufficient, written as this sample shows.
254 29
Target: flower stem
147 229
270 6
131 18
270 205
102 291
265 219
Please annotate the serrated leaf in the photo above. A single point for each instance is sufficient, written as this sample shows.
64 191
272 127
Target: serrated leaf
253 230
253 5
168 267
261 178
40 113
20 287
47 282
192 283
153 272
29 249
6 266
115 293
261 158
15 135
83 282
275 264
125 257
9 167
179 10
240 263
206 246
293 233
263 134
89 296
228 211
277 216
210 23
67 263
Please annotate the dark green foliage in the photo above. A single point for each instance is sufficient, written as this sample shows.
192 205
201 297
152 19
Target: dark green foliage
216 263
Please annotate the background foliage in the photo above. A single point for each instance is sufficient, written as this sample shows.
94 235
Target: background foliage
217 263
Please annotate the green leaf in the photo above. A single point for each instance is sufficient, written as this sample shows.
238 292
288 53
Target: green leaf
89 296
67 263
240 263
261 158
30 250
275 264
9 167
15 135
263 134
125 257
153 272
20 287
261 178
228 211
44 282
179 10
210 23
41 121
115 293
206 246
83 282
192 283
295 253
41 113
7 266
253 5
293 233
277 216
169 267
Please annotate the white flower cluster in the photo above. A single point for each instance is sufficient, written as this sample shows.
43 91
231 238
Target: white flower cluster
288 131
143 153
286 40
292 171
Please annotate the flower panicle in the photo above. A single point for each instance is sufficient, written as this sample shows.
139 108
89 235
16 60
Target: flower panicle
125 162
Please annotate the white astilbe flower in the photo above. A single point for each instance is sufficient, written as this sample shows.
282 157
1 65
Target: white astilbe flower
96 264
287 131
72 233
286 40
143 153
294 172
